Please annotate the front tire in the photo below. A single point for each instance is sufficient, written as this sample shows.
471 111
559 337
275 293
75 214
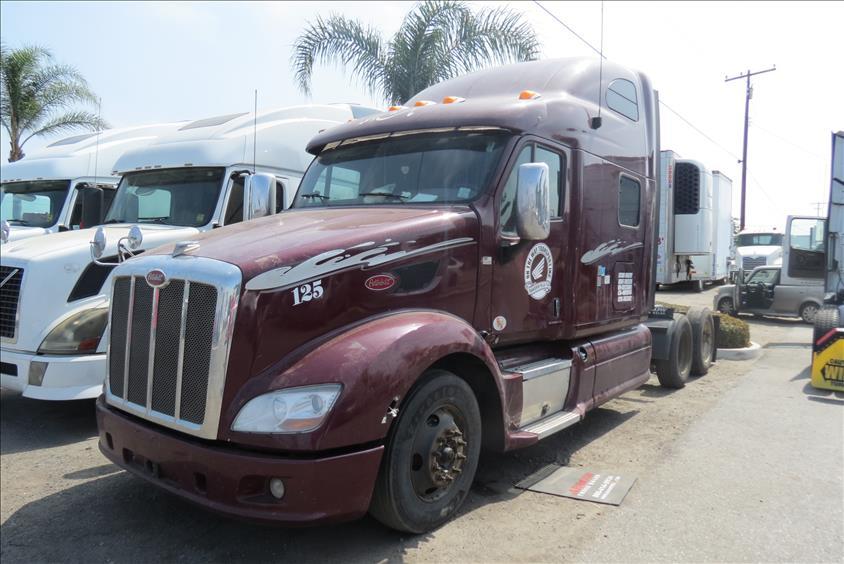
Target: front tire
431 456
726 306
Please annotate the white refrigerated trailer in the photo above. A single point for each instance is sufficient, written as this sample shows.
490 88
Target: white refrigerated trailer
695 227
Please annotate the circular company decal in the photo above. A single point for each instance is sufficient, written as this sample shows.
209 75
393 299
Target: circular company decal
156 278
380 282
539 270
499 323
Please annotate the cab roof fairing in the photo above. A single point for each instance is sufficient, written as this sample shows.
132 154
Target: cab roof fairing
568 91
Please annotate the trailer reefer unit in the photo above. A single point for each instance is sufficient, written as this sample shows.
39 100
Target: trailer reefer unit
206 175
695 228
474 269
69 184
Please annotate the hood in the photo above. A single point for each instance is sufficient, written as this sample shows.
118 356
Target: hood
53 264
305 243
20 232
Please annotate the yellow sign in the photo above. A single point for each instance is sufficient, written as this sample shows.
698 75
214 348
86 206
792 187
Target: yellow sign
828 365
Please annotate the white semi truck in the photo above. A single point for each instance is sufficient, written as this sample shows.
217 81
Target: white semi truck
758 247
54 292
70 183
695 227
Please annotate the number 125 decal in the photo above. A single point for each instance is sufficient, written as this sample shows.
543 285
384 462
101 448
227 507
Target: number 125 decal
308 292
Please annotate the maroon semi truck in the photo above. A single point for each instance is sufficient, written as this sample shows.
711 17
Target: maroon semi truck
473 270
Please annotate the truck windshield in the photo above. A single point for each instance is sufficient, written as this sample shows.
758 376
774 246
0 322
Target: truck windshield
427 168
181 196
759 240
37 203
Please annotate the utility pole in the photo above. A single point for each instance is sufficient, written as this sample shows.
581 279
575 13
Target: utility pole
748 95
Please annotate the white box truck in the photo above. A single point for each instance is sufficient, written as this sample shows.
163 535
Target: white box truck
54 292
70 183
695 228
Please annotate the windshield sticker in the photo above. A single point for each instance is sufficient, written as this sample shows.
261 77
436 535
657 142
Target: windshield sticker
337 260
607 249
539 271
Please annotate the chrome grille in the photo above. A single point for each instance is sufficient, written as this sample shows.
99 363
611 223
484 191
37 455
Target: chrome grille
749 263
168 346
10 291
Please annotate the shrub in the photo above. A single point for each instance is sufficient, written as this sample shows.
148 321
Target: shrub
734 333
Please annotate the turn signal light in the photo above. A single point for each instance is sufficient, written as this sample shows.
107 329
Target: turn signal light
395 108
529 95
423 103
452 99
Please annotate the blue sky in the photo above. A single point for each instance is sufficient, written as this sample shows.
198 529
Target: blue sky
154 62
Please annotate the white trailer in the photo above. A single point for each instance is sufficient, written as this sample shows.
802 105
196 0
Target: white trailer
54 300
70 183
695 229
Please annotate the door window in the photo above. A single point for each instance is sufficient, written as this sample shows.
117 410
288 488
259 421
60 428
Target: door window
533 153
764 276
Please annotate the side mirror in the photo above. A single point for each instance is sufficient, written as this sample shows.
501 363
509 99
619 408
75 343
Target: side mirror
98 244
259 195
533 202
92 206
5 231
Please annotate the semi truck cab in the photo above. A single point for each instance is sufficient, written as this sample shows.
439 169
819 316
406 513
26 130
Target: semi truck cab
470 270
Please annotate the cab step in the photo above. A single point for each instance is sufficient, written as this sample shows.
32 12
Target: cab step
553 423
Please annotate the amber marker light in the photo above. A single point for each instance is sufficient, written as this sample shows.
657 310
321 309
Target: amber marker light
395 108
423 103
529 95
453 100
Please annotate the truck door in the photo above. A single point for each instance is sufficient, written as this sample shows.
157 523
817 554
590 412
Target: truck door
758 291
527 283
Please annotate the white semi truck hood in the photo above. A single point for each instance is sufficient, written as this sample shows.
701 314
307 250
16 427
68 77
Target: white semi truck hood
20 232
772 254
52 266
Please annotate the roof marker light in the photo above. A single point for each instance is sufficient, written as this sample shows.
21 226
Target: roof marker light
529 95
395 108
453 100
424 103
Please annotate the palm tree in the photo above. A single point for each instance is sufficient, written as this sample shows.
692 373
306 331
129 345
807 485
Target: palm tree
37 97
436 41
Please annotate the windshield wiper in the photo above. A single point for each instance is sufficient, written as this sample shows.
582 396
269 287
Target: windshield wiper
386 195
320 196
153 219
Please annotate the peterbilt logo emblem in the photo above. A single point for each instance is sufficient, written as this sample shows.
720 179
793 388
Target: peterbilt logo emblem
156 278
380 282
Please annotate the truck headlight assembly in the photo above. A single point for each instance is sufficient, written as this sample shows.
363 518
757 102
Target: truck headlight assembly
293 410
79 333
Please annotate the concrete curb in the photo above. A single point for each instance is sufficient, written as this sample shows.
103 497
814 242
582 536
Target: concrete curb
747 353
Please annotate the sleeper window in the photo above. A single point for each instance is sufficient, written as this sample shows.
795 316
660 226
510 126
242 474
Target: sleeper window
629 195
621 97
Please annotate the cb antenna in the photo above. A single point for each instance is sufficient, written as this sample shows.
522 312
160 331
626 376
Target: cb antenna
596 121
255 136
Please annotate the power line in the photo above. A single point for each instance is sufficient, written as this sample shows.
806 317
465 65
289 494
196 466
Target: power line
784 140
700 131
573 32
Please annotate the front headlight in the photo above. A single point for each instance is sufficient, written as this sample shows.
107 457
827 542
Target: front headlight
79 333
294 410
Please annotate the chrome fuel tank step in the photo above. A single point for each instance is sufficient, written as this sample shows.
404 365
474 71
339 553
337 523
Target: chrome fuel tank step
545 384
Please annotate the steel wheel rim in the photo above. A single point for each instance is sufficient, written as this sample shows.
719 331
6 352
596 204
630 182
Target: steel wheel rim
809 313
438 453
707 337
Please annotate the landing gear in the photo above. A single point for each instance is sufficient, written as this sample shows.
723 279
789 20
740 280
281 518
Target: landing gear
431 456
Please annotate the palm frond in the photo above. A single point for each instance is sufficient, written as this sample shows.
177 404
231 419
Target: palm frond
67 122
337 39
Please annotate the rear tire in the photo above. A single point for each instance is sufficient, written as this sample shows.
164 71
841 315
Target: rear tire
431 456
703 339
808 311
674 371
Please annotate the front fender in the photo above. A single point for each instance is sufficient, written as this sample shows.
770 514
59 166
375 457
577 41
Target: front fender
377 362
